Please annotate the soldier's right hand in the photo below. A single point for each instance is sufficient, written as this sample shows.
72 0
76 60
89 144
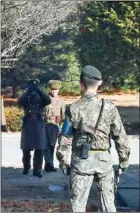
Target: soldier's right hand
66 170
124 165
123 169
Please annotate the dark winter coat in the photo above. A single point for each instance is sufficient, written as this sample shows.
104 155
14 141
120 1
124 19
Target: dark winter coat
33 134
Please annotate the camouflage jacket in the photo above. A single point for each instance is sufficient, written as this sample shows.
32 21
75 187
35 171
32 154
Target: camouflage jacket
83 115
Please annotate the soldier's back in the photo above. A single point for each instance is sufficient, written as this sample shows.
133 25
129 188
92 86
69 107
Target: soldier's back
85 113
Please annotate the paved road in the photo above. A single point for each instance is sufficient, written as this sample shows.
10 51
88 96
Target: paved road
12 155
129 183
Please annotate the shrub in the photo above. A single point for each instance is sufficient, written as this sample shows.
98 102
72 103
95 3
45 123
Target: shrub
69 88
13 118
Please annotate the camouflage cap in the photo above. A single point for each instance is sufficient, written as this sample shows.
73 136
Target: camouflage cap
54 84
91 72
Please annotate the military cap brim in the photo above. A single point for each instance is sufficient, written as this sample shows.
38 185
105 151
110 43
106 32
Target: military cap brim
54 84
33 81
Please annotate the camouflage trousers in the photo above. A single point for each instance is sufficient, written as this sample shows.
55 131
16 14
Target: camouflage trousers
98 168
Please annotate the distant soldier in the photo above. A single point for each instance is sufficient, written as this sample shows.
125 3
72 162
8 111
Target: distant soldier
3 119
91 122
33 135
55 114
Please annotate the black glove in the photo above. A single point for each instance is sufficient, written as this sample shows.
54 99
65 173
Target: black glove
66 170
38 89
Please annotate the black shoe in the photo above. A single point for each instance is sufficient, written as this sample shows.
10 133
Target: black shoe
25 171
50 169
37 174
53 170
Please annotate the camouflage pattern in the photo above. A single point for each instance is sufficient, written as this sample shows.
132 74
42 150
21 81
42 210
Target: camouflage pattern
84 114
98 168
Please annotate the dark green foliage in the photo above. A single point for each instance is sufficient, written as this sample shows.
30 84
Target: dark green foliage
109 39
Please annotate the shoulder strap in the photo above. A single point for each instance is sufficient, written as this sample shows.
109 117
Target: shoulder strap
100 114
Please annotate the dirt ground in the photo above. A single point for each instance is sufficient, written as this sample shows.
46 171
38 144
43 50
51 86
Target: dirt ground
17 200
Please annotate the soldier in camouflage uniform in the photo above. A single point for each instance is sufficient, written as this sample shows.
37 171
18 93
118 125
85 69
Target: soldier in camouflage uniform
55 114
93 122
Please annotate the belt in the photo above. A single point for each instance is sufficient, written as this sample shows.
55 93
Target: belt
33 116
91 150
97 150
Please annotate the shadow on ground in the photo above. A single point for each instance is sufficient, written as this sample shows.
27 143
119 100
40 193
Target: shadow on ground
29 193
25 193
131 119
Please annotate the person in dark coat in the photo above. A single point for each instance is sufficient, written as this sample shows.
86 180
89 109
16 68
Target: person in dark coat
33 135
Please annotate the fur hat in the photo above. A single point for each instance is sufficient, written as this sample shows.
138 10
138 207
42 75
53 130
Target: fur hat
54 84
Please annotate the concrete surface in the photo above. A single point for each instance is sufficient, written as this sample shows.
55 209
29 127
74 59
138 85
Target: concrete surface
12 154
129 191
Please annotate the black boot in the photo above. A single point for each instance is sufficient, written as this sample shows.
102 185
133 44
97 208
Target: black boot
49 168
53 169
37 174
49 157
37 163
25 171
26 161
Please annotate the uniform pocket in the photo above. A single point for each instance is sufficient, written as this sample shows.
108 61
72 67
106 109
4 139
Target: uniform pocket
104 156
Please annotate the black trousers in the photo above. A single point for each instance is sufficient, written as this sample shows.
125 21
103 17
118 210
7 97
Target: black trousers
49 157
52 131
37 159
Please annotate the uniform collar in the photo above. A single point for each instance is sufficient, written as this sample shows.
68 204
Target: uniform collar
52 95
90 95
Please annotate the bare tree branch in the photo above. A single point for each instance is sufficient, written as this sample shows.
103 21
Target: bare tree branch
25 22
